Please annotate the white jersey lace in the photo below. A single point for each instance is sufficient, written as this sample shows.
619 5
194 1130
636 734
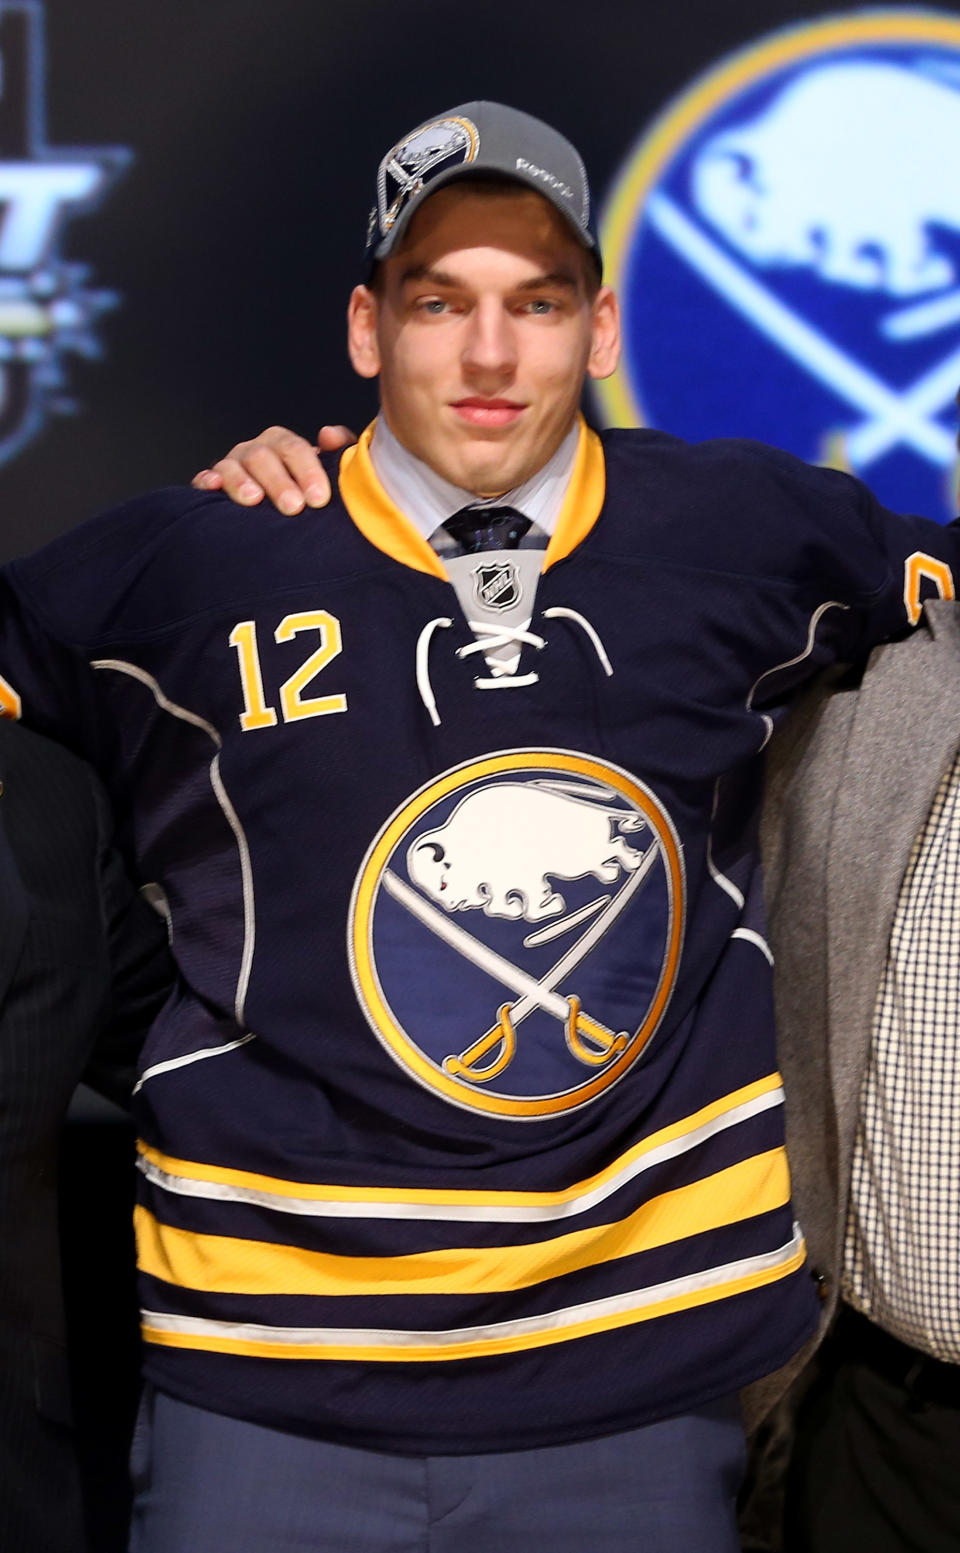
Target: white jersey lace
489 637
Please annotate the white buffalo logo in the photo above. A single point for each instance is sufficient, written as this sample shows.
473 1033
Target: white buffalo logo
503 844
421 153
421 156
848 173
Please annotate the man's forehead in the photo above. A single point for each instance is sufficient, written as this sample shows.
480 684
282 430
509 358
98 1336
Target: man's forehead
461 218
565 277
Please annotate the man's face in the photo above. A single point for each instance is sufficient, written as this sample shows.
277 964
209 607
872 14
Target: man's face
482 332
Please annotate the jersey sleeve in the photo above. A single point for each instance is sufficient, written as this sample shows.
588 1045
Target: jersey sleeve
825 534
61 607
43 682
918 560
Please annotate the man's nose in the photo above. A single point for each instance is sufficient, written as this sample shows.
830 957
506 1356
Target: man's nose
490 345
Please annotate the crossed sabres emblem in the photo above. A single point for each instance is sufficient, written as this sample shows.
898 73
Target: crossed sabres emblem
778 189
594 836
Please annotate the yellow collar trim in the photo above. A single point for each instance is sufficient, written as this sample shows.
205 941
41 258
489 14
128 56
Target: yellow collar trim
377 517
584 498
384 525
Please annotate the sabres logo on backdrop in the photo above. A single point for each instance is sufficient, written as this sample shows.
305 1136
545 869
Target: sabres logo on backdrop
515 931
786 241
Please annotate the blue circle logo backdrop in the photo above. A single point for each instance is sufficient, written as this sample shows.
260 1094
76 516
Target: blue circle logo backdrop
786 244
515 931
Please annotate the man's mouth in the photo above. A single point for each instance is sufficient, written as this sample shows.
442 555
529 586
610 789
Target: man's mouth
477 411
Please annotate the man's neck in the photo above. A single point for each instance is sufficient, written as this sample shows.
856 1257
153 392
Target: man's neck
427 499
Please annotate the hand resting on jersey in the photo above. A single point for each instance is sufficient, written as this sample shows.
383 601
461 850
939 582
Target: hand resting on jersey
277 464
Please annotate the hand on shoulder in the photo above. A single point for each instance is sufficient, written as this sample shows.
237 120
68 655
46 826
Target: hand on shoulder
277 464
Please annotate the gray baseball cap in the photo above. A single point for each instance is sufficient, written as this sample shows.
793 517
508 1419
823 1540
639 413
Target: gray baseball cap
478 138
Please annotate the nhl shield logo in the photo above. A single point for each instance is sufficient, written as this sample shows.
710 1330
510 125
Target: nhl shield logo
787 238
497 586
412 163
515 931
47 310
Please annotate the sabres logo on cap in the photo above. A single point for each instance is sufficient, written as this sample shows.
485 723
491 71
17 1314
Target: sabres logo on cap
515 931
786 240
409 167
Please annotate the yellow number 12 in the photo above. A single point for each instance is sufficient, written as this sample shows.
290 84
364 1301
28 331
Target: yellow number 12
256 713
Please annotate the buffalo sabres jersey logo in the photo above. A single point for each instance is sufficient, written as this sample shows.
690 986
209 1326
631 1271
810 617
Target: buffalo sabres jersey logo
412 163
46 308
788 237
515 931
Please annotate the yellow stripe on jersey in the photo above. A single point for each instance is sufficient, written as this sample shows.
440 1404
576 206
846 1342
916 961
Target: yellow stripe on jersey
271 1191
919 567
227 1265
11 705
383 523
555 1326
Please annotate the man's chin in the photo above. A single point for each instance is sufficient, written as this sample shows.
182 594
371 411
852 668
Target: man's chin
493 470
487 482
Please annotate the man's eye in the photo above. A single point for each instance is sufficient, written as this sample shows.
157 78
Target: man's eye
433 306
540 306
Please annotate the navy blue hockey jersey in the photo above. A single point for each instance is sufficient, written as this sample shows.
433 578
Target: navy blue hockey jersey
463 1129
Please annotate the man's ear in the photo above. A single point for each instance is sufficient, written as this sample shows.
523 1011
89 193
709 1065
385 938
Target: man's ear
605 345
362 344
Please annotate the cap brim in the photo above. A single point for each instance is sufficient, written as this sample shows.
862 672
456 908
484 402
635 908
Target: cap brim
473 172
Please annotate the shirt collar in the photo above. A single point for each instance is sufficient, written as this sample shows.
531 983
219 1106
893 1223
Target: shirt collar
427 499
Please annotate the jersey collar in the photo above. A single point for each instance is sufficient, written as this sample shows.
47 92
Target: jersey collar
381 521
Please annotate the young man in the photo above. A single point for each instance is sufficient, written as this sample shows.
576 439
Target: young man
465 1208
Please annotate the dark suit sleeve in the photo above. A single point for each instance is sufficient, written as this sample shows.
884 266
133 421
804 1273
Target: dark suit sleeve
139 965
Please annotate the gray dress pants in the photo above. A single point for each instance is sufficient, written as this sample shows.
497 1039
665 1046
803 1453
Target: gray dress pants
210 1484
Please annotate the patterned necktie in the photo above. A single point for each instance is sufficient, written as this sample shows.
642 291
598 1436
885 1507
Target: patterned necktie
476 529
